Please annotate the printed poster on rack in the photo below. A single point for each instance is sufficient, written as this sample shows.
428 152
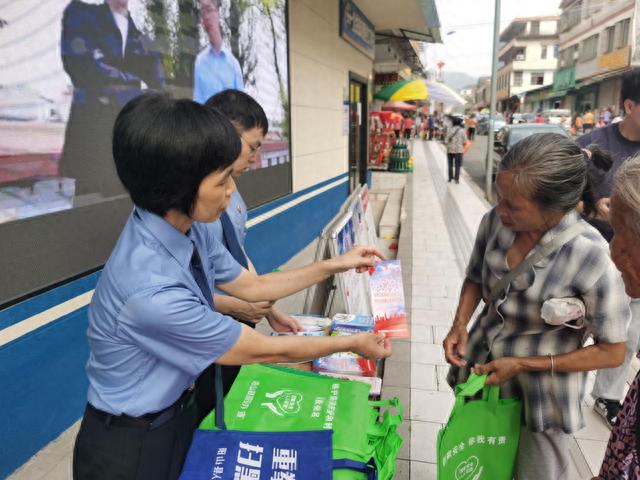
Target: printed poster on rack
354 284
387 299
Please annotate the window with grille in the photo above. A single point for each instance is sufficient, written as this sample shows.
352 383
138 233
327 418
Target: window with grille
609 38
537 78
589 49
517 79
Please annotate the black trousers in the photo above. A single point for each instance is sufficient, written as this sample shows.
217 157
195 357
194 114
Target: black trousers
112 451
455 160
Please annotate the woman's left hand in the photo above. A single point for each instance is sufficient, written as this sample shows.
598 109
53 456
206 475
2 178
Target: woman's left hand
499 370
281 322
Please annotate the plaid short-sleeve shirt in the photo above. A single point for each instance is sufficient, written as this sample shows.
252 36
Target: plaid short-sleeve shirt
513 326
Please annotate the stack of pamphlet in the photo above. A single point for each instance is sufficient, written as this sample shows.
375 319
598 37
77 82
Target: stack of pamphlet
347 362
312 326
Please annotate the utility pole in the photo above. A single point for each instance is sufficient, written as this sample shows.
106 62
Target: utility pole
494 88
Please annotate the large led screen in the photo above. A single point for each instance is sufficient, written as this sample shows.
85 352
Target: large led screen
68 67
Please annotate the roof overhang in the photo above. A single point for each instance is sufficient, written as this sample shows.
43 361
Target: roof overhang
405 19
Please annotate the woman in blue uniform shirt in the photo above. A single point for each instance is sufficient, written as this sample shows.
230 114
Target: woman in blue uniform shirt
152 324
252 125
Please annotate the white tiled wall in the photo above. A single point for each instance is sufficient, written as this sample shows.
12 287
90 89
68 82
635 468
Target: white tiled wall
320 63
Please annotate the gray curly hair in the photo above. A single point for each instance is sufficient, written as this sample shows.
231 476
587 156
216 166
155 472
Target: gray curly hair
550 169
626 186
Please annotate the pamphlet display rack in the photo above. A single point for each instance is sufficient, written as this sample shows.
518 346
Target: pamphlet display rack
345 292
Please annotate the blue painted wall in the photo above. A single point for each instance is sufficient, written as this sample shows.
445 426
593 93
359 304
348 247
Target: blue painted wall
274 241
42 379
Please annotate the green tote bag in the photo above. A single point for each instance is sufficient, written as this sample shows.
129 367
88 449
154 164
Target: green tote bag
480 440
275 399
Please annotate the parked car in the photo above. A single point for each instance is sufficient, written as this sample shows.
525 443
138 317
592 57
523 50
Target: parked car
509 135
558 116
498 124
523 118
483 124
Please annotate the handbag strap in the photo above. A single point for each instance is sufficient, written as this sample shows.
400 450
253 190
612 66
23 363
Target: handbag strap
369 468
219 398
553 245
380 429
475 383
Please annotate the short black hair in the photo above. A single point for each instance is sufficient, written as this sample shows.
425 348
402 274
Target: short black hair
164 148
597 167
630 86
456 121
241 108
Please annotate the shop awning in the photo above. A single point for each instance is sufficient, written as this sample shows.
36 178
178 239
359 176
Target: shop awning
404 90
421 89
407 19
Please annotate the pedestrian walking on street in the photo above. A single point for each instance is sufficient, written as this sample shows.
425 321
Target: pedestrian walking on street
408 127
397 125
431 125
472 123
455 139
589 120
539 118
578 124
621 141
522 338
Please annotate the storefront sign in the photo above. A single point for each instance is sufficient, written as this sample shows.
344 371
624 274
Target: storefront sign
356 28
615 60
384 79
564 80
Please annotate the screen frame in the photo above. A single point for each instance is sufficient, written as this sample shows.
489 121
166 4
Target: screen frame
34 259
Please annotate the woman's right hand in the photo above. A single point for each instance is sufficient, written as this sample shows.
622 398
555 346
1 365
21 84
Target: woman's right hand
455 345
372 345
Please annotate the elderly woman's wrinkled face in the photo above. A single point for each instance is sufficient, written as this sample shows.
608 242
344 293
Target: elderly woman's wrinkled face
516 211
625 252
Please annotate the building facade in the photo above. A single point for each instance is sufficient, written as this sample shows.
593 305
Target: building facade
482 93
595 50
528 56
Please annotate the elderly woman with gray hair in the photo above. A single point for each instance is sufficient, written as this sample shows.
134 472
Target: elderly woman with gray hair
621 457
534 259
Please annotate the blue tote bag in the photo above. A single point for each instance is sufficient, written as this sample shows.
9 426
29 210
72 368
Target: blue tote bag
231 455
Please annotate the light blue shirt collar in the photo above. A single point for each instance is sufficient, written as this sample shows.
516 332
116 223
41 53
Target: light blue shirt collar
179 245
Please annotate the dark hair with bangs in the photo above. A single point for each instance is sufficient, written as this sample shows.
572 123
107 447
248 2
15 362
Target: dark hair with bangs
164 148
241 108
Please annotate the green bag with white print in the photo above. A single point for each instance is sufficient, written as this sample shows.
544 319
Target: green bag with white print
480 440
275 399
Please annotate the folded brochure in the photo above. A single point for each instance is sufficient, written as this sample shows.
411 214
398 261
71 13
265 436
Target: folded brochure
387 299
